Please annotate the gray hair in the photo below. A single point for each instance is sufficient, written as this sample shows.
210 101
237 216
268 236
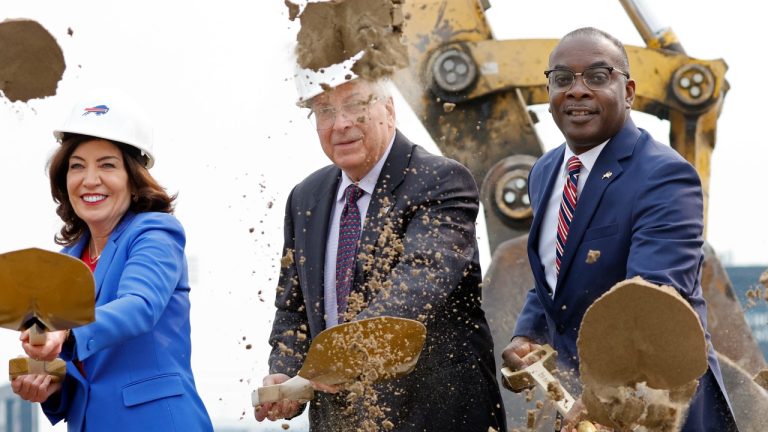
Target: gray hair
382 88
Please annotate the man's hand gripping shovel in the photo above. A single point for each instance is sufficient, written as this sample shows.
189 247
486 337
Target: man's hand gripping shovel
538 374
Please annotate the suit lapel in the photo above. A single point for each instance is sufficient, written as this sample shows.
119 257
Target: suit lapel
382 201
108 254
618 148
314 243
550 170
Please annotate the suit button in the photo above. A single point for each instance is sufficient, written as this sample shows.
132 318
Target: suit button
561 328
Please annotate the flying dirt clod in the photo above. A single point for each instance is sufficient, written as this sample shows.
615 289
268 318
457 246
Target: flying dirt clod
332 32
31 61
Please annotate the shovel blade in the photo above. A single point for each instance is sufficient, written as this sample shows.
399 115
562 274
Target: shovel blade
52 288
381 348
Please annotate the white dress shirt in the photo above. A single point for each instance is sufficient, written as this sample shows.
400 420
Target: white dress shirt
548 235
367 184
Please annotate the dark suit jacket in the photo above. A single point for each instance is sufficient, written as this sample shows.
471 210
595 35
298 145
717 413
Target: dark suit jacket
428 204
646 219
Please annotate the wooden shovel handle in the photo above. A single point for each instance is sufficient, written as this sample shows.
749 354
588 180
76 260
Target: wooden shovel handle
27 366
538 374
56 368
296 388
37 335
544 379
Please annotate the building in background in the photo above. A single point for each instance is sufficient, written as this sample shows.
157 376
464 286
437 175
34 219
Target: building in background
743 279
17 415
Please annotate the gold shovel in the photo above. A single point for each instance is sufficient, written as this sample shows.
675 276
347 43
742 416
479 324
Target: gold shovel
642 349
379 348
539 373
43 291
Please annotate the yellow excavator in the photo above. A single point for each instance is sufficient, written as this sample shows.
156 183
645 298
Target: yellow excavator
472 93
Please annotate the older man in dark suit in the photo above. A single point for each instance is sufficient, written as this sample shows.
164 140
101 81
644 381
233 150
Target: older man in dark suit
410 252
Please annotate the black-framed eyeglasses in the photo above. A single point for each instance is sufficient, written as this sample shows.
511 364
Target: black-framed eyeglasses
596 78
325 116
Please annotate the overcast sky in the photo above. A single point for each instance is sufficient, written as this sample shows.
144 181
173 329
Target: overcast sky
217 79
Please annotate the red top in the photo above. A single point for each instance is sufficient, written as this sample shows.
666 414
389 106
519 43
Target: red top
86 258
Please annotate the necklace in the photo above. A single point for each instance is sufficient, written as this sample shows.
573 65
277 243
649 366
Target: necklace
90 251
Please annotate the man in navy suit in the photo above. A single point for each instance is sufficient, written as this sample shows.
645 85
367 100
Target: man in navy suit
635 200
417 258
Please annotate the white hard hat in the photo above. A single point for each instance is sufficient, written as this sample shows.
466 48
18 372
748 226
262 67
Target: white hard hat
112 115
310 83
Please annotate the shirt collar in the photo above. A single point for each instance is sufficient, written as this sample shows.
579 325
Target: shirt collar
588 158
368 182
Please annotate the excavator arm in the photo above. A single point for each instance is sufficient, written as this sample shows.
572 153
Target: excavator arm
472 92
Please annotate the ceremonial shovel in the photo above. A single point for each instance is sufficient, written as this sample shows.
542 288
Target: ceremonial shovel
387 346
538 373
43 291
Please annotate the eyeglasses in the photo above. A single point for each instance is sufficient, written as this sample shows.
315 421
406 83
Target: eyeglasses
325 116
595 78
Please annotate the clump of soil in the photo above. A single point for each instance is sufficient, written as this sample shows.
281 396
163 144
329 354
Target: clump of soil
627 407
555 391
758 292
332 32
762 378
592 256
31 61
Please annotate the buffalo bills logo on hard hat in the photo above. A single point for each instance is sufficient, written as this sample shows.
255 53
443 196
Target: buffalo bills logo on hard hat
98 110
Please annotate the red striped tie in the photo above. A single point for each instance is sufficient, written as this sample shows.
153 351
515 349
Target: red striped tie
567 208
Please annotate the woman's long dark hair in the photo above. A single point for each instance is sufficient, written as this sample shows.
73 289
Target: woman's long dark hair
147 195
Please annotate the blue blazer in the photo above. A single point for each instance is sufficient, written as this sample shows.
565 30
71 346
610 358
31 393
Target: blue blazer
136 354
646 219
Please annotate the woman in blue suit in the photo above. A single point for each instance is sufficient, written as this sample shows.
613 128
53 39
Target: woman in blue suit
129 370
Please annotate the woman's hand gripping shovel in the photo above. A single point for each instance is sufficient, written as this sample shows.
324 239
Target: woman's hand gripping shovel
378 348
43 291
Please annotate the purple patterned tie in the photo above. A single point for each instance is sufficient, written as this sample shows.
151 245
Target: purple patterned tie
349 233
567 208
